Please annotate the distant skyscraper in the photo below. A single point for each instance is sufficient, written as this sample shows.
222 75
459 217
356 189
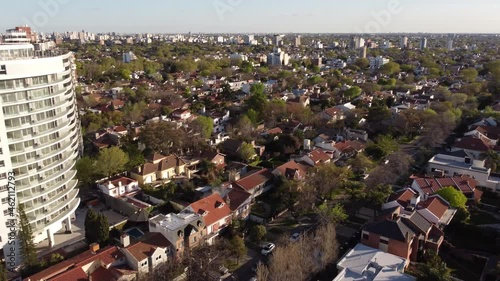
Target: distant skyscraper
403 44
362 52
278 40
449 46
297 41
423 43
357 42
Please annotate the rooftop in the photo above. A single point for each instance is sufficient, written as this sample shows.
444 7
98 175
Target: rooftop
175 221
366 263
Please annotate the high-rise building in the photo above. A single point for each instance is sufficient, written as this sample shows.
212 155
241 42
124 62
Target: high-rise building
423 43
278 57
40 138
362 52
377 62
297 42
277 40
449 45
357 42
403 44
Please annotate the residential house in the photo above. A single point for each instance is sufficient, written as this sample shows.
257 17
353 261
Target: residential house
145 255
119 186
347 149
352 134
94 264
332 114
429 186
474 145
368 263
182 230
463 162
316 157
292 170
488 134
215 212
435 209
214 157
160 168
256 182
181 114
405 235
239 202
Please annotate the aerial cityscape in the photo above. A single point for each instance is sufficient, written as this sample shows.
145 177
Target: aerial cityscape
250 140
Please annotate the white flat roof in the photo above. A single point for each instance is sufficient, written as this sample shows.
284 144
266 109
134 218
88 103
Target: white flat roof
175 221
370 264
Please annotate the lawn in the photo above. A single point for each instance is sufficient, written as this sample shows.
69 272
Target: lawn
477 218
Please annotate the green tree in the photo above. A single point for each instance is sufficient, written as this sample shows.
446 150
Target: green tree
258 100
111 161
362 63
238 248
390 68
455 197
96 228
247 152
204 125
434 269
335 214
469 74
161 137
352 92
258 232
27 247
85 170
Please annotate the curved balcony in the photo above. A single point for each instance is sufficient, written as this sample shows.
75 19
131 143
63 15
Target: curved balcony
52 218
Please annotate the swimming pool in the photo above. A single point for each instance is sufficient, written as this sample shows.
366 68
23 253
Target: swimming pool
134 232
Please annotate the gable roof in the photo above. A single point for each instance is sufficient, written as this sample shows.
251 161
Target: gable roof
318 156
254 179
436 205
145 169
236 198
71 269
285 169
145 248
402 196
214 207
392 229
416 222
431 186
473 143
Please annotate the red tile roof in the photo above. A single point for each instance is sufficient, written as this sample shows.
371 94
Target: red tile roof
215 207
251 181
431 186
403 197
435 205
71 268
318 156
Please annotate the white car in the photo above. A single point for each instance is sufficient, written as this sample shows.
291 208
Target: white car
295 237
268 249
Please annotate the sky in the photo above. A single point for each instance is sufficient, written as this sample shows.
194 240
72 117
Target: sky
254 16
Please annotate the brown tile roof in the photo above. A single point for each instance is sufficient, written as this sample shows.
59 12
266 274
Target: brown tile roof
435 205
214 206
146 169
294 166
318 156
156 157
275 131
236 198
473 143
76 274
249 182
403 197
145 248
103 273
332 111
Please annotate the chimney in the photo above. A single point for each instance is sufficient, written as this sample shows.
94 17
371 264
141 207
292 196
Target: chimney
120 183
94 247
139 169
125 240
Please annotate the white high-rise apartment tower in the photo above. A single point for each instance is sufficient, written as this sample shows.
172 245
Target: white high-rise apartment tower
40 137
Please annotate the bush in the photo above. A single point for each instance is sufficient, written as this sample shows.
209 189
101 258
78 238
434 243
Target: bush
258 232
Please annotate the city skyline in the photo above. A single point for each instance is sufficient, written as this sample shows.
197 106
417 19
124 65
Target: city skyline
240 16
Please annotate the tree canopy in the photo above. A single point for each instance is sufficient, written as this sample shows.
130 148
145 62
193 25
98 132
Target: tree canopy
455 197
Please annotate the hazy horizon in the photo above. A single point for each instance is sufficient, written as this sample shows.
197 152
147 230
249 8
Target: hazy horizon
257 16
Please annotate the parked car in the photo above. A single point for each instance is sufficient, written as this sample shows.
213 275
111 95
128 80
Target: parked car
268 249
295 237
